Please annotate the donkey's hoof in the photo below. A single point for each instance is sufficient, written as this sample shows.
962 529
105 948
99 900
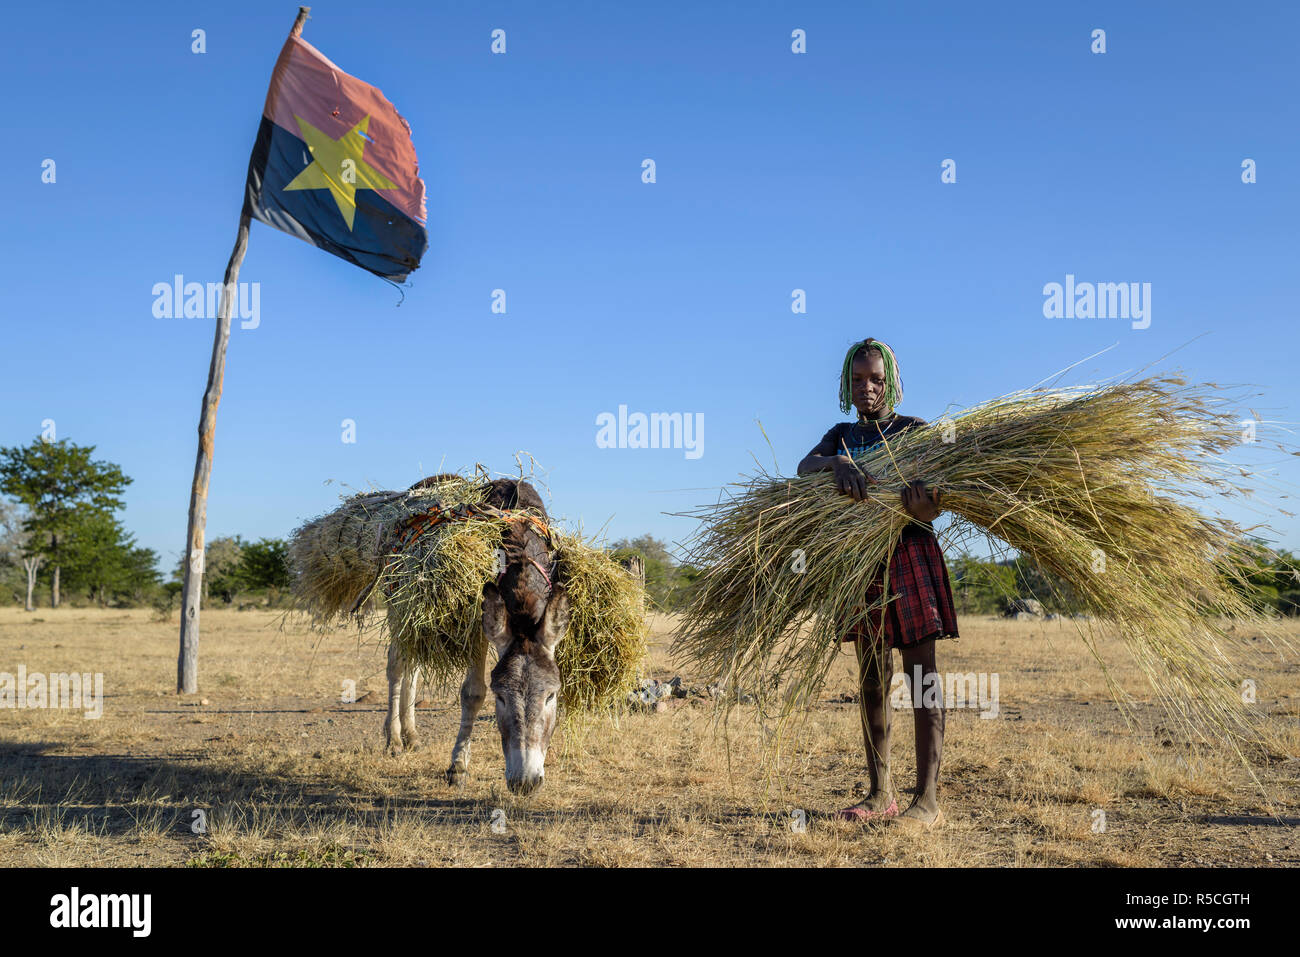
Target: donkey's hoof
456 777
393 748
411 742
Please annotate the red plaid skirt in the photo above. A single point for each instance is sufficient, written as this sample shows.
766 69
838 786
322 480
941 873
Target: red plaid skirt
920 607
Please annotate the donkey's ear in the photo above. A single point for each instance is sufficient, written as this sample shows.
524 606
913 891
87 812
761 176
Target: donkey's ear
556 619
494 619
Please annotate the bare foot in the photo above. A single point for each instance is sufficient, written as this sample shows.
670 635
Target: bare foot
876 801
924 814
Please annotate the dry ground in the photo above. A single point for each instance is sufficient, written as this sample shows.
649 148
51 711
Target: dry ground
287 775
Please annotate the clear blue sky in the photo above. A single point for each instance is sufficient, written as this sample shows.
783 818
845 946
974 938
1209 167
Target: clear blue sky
775 171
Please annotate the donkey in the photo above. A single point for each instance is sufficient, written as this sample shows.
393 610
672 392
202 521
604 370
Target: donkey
525 614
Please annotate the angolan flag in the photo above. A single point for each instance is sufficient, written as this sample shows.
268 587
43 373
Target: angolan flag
334 165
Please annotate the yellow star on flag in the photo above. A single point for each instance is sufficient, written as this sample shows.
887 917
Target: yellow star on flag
338 165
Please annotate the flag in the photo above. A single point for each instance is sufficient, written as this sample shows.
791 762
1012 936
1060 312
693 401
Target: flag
334 164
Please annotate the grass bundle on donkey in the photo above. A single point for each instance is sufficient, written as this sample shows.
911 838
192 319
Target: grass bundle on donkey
347 564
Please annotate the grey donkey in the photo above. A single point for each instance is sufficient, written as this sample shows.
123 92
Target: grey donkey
525 614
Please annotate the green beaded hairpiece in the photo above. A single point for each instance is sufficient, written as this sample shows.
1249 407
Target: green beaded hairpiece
893 379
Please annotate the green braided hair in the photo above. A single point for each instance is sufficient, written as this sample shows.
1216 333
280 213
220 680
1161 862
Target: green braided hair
893 378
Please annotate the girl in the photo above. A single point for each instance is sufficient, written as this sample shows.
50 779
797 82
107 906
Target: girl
921 608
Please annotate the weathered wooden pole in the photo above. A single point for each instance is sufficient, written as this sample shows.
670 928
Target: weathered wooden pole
187 664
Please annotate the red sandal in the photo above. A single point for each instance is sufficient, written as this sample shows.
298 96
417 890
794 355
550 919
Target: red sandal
863 814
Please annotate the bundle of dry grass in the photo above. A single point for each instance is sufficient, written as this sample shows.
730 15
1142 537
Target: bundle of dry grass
1095 484
335 558
350 561
433 593
601 657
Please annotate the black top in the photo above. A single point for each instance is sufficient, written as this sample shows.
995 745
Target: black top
861 437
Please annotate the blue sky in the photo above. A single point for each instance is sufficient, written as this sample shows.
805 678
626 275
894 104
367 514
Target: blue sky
775 172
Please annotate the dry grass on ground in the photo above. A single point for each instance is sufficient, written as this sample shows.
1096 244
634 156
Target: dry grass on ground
287 775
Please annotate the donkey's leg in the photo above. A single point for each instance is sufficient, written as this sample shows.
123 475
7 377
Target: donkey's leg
393 723
410 689
472 692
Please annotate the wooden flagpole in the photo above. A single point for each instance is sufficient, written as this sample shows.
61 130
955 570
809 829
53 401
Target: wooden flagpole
187 664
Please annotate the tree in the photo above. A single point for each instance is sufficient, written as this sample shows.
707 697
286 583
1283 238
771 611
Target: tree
14 547
1034 581
139 572
59 483
265 564
686 585
667 584
11 534
984 587
104 560
222 576
981 587
1272 580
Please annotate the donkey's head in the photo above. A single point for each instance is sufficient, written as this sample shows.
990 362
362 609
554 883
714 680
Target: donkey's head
526 683
524 618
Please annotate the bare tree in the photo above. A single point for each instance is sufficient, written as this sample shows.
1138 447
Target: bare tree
15 547
31 564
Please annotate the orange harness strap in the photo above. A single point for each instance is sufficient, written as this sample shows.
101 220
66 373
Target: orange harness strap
414 527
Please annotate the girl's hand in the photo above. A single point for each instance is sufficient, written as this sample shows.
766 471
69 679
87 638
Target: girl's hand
921 504
849 479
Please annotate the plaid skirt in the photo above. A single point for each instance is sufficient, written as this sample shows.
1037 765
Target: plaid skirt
920 608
